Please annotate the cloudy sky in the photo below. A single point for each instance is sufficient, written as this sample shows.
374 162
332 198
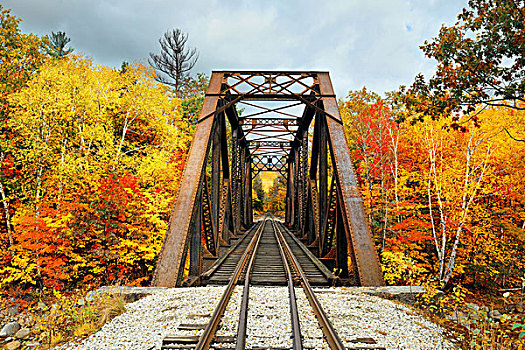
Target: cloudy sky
371 43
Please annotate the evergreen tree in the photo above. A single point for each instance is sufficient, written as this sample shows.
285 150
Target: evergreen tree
57 45
175 60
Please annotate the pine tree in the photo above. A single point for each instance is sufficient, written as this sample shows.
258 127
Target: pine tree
57 45
175 60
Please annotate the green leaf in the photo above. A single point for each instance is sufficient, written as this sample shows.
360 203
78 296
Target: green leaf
516 325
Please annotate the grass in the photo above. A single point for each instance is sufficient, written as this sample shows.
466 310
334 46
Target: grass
472 326
109 308
72 317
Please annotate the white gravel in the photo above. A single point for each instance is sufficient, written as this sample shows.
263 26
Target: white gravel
354 315
269 321
147 321
312 333
392 325
228 325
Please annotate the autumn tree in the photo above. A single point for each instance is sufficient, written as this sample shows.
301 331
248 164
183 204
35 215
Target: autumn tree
480 61
175 60
276 197
99 151
191 104
458 166
374 141
444 201
20 57
259 195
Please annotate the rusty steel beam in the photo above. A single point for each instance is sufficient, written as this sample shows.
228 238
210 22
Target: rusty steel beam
331 218
266 110
170 265
216 183
355 221
269 86
270 144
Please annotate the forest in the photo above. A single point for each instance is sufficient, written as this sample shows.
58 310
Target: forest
91 157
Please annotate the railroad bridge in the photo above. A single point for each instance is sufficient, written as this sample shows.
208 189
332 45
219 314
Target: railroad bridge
285 122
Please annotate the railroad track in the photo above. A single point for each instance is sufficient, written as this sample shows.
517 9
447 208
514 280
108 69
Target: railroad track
268 268
259 254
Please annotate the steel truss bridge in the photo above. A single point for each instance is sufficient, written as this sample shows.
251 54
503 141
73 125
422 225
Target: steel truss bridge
285 122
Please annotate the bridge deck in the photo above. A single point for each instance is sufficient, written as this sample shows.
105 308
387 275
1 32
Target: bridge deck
268 266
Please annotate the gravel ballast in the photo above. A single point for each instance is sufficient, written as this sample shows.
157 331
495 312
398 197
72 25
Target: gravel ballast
355 315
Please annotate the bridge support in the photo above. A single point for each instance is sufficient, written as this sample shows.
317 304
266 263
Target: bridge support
214 203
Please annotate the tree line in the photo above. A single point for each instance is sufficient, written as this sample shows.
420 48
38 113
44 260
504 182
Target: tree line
91 157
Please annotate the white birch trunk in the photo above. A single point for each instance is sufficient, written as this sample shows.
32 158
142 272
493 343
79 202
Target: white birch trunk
5 204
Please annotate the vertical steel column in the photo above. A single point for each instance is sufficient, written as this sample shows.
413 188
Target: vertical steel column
246 185
170 265
312 187
341 259
225 210
291 188
356 224
249 213
304 179
299 187
195 242
235 180
297 191
216 184
209 232
242 185
323 171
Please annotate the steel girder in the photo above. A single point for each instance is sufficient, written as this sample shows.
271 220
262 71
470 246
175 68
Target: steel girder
359 237
214 202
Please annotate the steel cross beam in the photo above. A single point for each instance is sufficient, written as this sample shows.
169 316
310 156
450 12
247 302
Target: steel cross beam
270 121
214 204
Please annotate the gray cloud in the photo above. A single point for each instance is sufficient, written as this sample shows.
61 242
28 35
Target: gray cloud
372 43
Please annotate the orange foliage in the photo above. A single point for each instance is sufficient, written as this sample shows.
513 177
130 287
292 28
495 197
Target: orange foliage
85 199
449 199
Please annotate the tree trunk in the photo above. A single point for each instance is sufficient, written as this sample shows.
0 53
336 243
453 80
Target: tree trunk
5 204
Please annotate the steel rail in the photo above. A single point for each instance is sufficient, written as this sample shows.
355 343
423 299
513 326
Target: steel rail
243 315
217 264
211 329
294 313
329 332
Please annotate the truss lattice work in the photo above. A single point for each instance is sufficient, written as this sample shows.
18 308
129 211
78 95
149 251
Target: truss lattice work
287 122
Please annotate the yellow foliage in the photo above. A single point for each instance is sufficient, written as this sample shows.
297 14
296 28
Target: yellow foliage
399 269
101 152
85 329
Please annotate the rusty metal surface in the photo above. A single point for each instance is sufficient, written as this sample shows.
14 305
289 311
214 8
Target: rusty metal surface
315 206
269 83
330 222
366 256
270 121
270 136
208 226
223 206
171 259
275 163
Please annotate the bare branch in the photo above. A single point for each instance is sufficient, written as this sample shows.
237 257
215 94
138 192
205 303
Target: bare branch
512 137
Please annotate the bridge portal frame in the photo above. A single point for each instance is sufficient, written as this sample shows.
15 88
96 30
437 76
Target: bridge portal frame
324 205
